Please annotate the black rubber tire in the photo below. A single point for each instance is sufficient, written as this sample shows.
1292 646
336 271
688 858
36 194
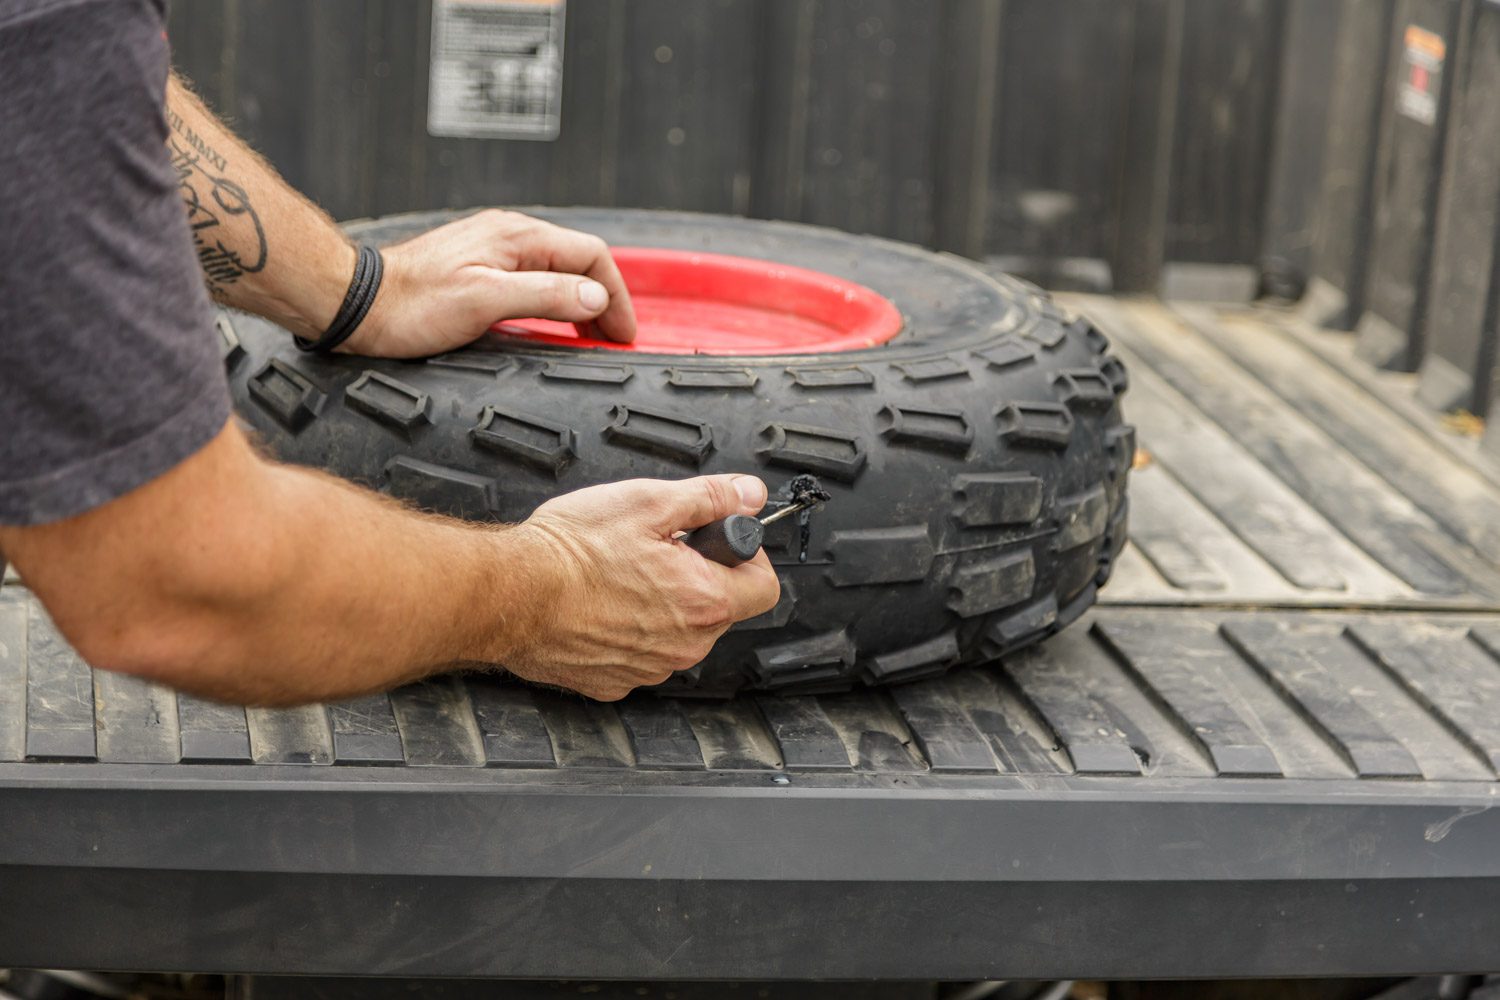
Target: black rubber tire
977 462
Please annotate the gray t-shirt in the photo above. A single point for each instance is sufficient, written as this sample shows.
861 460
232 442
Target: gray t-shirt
109 368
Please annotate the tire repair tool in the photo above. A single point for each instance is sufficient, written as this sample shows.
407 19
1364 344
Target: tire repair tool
732 540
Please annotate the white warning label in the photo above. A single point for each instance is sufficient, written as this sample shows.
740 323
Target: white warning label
496 69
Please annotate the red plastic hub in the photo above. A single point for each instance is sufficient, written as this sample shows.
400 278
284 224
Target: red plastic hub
703 303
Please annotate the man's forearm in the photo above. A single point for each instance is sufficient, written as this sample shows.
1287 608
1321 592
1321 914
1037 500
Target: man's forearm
247 581
262 246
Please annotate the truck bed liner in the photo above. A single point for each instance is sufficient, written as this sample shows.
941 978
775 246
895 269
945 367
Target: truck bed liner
1272 750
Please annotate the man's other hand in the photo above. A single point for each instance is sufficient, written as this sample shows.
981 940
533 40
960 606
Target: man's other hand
446 287
629 604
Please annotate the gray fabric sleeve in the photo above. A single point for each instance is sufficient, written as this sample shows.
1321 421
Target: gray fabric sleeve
109 368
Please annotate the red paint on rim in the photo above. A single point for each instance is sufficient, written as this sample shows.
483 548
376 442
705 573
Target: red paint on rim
704 303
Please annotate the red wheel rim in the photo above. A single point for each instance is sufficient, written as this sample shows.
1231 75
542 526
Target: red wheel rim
703 303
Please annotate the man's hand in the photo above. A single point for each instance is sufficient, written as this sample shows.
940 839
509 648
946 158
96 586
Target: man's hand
266 249
444 288
244 580
631 604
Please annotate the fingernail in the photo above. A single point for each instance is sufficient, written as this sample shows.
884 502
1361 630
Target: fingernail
592 296
751 490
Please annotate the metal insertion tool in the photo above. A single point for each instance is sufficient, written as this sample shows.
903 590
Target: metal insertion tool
732 540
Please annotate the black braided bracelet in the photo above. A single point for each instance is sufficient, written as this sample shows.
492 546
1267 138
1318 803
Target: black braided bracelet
369 266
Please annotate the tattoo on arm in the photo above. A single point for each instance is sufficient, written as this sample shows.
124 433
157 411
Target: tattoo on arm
211 200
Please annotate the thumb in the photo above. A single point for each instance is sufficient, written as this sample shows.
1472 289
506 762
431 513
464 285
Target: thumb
692 503
545 295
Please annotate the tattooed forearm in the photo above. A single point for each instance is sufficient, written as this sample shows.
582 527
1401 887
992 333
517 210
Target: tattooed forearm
215 205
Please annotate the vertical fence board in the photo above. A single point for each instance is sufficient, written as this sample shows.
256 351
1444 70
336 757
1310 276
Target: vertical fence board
688 121
1461 331
1143 188
869 163
197 32
1063 67
270 80
1298 150
970 95
1409 169
1225 105
1342 221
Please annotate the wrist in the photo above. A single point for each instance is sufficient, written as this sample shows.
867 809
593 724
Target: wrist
368 339
310 301
519 583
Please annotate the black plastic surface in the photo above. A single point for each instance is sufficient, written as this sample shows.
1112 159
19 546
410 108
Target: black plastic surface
1393 328
1466 267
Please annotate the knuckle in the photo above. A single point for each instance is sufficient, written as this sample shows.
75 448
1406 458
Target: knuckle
717 492
559 295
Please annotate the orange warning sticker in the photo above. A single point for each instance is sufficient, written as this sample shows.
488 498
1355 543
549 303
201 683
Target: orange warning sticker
1421 82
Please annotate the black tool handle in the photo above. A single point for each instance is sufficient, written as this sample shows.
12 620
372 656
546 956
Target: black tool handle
728 541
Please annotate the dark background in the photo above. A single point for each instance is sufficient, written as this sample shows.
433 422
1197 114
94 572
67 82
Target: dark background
1118 132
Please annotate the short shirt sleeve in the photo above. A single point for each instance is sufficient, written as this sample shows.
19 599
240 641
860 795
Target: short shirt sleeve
110 373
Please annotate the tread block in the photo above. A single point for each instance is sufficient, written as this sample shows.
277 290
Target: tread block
944 730
513 730
804 734
59 693
850 376
880 555
711 378
1295 662
661 434
1097 341
1007 353
231 351
805 662
440 488
1085 388
284 393
1041 425
389 400
533 441
301 735
997 498
660 733
924 659
1119 376
212 733
814 449
365 732
1048 333
1182 667
1021 626
472 360
1119 445
437 724
1081 519
574 371
135 721
944 430
932 369
982 587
